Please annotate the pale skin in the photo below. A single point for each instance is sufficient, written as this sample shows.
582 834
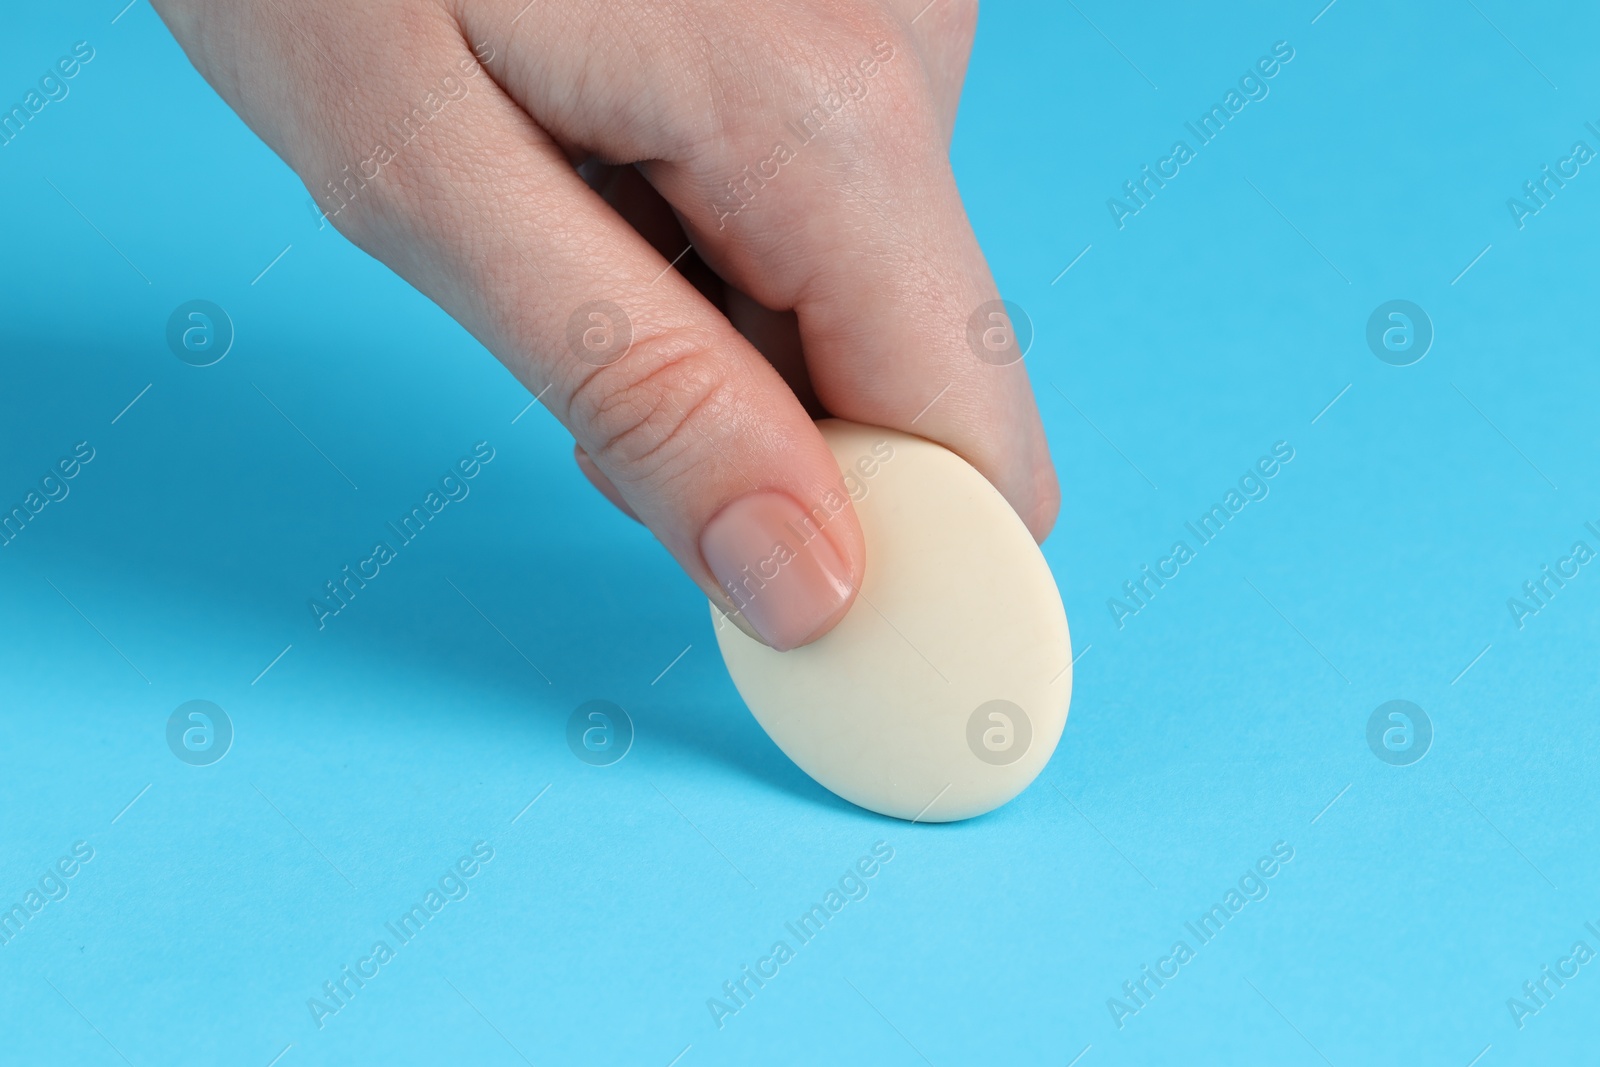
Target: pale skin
583 146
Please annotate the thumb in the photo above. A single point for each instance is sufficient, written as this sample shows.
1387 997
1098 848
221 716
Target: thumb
691 428
698 437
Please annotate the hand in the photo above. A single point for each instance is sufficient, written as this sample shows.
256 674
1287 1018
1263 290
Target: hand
535 169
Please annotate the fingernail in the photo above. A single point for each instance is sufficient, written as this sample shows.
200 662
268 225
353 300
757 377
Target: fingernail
773 561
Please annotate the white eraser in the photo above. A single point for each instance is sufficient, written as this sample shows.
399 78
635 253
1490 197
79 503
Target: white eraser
944 690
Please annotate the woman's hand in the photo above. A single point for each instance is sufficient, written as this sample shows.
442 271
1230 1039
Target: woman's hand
537 167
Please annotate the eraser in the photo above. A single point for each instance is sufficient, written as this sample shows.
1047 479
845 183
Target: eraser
943 691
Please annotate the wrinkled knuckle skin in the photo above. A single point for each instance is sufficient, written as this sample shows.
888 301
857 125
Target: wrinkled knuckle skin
877 58
646 414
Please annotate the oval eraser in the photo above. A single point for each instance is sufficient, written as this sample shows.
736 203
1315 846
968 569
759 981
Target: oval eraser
943 691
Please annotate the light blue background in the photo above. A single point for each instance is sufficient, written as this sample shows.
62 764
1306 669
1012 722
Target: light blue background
1219 720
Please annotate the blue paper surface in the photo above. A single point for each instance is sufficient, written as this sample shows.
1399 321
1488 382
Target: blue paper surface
1221 723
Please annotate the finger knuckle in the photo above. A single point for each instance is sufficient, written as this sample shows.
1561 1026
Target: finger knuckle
861 89
650 414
